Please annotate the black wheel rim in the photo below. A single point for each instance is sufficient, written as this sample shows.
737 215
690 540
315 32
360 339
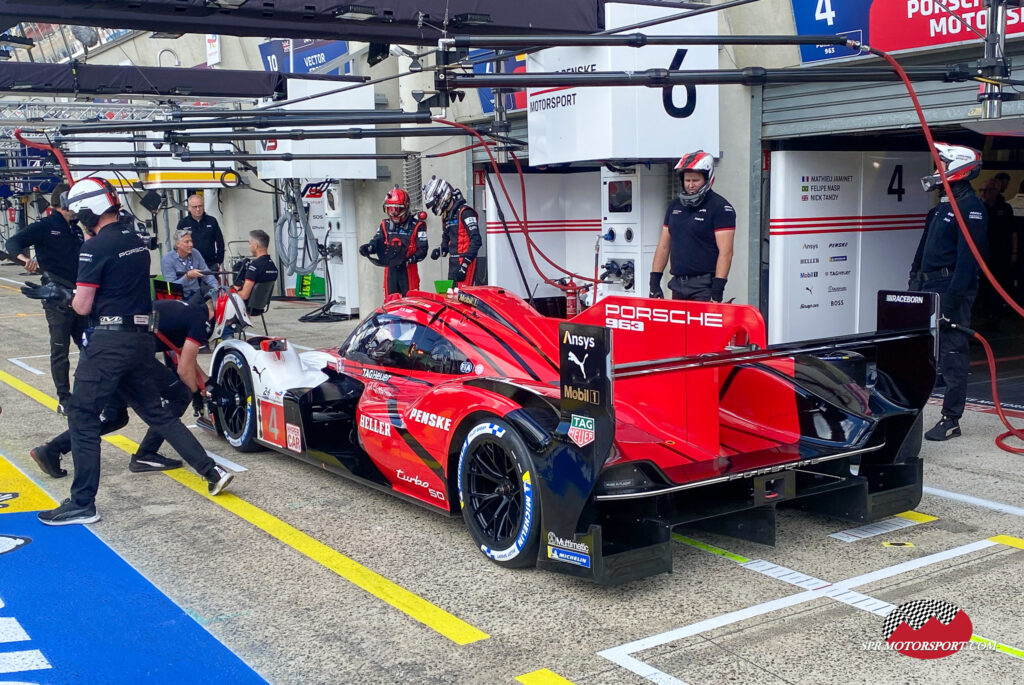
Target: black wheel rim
234 407
495 493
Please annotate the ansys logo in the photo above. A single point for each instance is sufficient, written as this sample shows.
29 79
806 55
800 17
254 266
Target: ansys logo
927 629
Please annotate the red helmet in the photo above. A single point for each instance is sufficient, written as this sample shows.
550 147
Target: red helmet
702 162
962 164
396 204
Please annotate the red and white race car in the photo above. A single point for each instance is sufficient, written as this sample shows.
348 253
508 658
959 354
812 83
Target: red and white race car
578 445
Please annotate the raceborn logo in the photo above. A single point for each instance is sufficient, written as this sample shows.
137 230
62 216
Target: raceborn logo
905 299
581 430
927 629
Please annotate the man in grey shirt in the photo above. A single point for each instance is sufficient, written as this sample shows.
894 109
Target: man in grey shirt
185 267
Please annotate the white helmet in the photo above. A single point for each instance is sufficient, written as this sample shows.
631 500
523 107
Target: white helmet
92 194
702 162
230 309
438 195
962 164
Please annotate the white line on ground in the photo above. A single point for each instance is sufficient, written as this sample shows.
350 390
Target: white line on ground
29 660
11 630
17 362
10 281
40 356
621 655
977 501
226 463
873 529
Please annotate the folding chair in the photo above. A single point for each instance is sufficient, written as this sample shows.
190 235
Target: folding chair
259 301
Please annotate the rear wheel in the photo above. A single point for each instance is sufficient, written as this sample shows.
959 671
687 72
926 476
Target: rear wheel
236 407
499 503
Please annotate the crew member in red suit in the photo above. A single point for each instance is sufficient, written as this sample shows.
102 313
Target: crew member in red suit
460 236
399 244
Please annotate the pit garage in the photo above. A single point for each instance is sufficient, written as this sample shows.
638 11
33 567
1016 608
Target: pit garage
832 545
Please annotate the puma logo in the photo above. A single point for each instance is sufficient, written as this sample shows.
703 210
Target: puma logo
579 362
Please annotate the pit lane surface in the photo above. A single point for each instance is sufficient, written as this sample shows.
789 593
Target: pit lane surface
277 599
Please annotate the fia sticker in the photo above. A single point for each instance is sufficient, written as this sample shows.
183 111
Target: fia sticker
294 437
466 367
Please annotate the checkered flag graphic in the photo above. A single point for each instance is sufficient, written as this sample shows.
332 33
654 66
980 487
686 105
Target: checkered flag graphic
916 614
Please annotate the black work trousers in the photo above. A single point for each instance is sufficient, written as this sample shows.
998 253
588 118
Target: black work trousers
65 327
174 394
120 362
954 348
691 288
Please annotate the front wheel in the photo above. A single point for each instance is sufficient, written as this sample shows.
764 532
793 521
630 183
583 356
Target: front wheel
497 496
236 407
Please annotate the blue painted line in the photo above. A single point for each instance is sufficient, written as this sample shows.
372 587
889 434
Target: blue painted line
91 618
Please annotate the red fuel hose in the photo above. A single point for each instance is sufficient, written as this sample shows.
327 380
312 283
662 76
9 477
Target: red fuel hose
530 245
52 149
1011 430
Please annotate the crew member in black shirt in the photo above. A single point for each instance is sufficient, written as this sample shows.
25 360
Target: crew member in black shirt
698 233
181 330
944 264
261 268
113 291
206 234
56 240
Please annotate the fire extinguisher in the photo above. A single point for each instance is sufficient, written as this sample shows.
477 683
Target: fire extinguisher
12 214
571 301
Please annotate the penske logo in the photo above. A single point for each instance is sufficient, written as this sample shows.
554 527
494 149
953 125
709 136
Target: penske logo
432 420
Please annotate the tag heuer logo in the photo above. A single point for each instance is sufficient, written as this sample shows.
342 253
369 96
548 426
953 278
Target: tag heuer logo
581 430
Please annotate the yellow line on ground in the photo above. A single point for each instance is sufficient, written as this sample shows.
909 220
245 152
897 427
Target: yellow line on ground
430 615
917 517
27 495
21 386
10 287
709 548
1008 540
998 646
542 677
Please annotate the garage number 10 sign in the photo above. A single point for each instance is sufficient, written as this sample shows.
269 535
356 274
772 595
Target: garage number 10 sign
896 25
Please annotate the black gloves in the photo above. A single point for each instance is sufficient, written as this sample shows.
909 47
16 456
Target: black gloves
460 275
437 254
364 249
197 403
656 291
717 289
50 292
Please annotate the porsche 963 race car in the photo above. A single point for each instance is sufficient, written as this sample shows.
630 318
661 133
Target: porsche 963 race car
578 445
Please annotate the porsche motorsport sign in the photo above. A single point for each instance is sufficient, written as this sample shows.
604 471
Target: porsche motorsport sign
894 25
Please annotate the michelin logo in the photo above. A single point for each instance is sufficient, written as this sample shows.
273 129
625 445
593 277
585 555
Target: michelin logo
568 557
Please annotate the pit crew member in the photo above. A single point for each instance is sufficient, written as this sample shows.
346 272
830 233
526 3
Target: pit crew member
113 291
399 244
944 264
698 233
206 233
460 233
186 328
56 240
